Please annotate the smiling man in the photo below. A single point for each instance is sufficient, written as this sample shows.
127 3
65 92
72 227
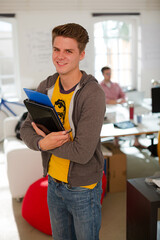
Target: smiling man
73 162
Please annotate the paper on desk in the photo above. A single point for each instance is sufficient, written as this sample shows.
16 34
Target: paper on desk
156 181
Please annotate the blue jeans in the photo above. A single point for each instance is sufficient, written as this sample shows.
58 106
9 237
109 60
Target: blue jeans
75 213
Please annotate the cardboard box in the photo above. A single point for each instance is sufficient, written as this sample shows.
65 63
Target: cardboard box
115 169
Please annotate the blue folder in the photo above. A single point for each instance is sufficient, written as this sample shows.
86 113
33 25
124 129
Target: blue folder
38 97
42 111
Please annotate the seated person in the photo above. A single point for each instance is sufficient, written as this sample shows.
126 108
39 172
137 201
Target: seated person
115 95
113 91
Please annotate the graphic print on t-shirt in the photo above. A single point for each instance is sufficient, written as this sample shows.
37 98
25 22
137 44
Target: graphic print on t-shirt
60 107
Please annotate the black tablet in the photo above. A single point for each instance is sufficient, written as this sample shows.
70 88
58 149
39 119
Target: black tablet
125 125
45 117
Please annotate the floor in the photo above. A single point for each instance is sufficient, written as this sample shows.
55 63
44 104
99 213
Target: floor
14 227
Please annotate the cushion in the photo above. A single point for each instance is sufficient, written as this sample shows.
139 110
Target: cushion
34 207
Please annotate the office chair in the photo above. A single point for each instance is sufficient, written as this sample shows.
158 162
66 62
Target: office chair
155 148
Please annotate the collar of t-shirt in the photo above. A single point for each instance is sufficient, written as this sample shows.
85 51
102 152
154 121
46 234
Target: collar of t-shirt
68 91
108 84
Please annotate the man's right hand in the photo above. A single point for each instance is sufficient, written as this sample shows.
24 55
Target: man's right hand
54 140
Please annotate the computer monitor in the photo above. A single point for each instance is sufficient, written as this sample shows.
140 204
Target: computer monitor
155 95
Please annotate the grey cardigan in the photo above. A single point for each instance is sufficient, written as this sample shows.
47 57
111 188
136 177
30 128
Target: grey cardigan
86 115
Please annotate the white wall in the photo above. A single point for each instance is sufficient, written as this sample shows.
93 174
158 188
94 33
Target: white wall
150 26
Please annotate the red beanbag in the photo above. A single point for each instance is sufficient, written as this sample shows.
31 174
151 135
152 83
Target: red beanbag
104 186
34 207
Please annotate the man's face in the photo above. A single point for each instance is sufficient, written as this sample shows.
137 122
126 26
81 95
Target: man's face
107 75
66 55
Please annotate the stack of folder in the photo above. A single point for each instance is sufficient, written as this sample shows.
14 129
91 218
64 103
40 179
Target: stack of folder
42 111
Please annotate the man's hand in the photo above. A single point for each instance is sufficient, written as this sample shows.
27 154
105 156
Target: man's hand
52 140
118 101
121 100
112 101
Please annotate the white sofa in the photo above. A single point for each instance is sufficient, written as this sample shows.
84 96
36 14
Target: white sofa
24 166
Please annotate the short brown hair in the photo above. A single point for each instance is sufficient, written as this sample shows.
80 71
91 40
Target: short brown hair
72 30
105 68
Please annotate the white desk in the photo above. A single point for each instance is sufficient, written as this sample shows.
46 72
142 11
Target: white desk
150 123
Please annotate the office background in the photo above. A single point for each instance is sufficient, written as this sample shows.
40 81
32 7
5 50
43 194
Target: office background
33 22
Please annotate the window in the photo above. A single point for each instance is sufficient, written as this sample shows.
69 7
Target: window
8 59
116 46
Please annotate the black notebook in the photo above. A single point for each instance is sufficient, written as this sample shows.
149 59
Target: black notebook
44 116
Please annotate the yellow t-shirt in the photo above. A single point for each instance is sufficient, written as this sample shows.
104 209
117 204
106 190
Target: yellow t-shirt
59 167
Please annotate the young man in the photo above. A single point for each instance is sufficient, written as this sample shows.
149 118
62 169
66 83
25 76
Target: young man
113 91
74 162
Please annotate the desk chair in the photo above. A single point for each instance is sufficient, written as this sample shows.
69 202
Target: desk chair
151 137
155 148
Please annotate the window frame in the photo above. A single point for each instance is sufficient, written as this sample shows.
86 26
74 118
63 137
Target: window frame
16 79
136 50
